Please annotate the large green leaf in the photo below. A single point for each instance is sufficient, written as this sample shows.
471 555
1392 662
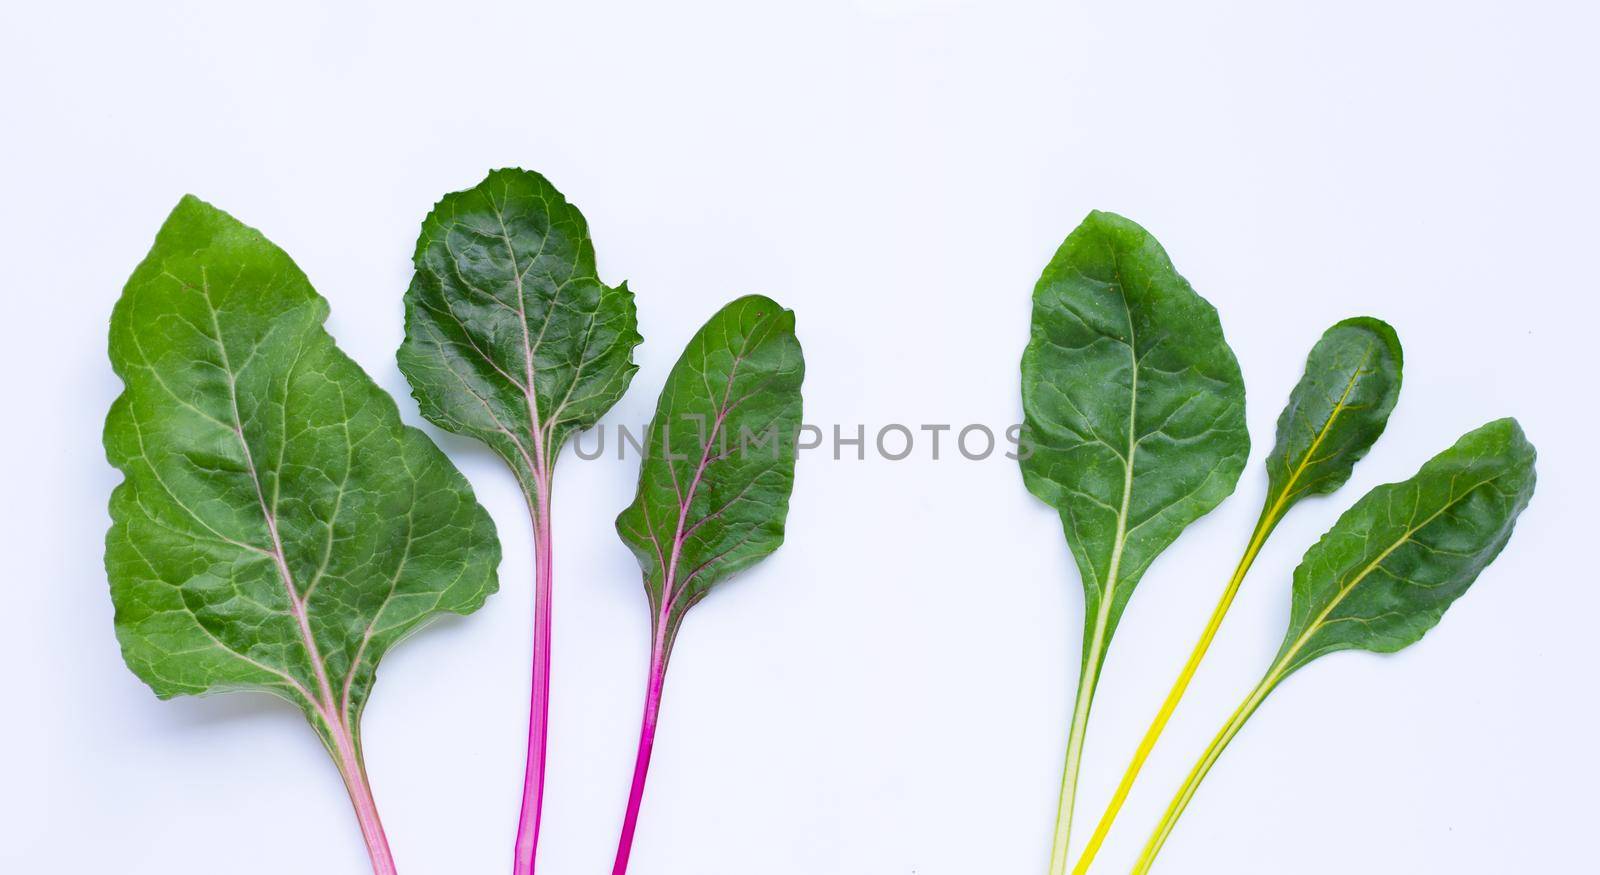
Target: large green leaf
1134 410
714 483
1389 568
511 337
1134 407
278 528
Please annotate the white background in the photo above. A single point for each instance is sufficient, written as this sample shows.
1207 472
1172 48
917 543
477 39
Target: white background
889 692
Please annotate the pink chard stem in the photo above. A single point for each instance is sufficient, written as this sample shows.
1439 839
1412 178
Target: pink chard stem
354 773
647 739
539 709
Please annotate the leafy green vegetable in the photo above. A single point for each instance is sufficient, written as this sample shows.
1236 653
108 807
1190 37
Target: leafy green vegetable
512 338
1335 413
278 528
1134 411
1388 569
714 483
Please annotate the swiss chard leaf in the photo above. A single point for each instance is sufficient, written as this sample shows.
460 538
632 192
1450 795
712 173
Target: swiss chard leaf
1389 568
719 458
1334 415
1134 410
278 528
715 481
512 338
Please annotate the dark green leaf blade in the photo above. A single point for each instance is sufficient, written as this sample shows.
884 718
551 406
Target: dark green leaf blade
278 527
1336 412
719 459
511 337
1388 569
1133 401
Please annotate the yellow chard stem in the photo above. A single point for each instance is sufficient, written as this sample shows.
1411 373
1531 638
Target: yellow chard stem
1269 519
1180 801
1061 844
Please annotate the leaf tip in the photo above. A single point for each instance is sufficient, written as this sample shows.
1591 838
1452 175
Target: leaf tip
1383 330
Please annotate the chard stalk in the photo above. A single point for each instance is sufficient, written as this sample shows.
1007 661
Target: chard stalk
346 752
1084 701
1268 521
527 846
647 739
1180 801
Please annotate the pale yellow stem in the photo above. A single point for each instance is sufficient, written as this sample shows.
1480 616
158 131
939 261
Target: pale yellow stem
1264 527
1185 793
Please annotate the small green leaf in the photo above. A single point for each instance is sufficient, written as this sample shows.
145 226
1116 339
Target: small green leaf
719 457
1134 410
511 337
1388 569
1336 412
278 528
714 483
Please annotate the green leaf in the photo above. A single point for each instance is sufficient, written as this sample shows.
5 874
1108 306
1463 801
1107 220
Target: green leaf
714 483
1134 407
278 528
1134 413
1386 571
511 337
1389 568
1335 413
719 457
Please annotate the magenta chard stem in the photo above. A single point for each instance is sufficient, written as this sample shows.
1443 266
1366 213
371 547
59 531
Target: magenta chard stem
647 738
539 705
